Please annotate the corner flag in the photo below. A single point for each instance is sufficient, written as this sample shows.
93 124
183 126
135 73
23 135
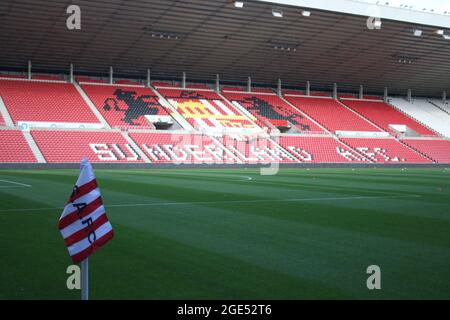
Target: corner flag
83 223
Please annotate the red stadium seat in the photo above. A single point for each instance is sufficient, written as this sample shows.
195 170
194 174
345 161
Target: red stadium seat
271 108
45 102
331 114
72 146
206 110
320 150
385 150
383 115
125 107
181 148
438 150
14 147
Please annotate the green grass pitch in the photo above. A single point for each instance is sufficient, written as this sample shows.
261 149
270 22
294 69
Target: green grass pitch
234 234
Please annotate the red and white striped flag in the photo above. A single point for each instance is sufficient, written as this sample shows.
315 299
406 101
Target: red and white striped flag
83 223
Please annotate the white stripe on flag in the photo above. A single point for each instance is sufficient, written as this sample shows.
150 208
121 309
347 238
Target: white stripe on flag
76 229
84 244
87 198
78 225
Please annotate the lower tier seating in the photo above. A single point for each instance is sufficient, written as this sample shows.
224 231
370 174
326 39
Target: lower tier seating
72 146
257 150
438 150
386 150
14 147
181 148
319 150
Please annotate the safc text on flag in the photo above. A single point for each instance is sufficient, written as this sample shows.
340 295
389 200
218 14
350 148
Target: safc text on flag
83 223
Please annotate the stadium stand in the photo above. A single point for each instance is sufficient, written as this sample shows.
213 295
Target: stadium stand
386 150
425 113
183 148
331 114
269 108
14 148
205 110
319 150
384 115
125 107
444 106
438 150
44 102
71 146
257 150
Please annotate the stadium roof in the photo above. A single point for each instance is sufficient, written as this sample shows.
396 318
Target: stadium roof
209 37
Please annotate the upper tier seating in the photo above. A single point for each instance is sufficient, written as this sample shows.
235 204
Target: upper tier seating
72 146
319 150
181 148
331 114
426 113
272 109
383 115
438 150
125 107
445 106
45 102
386 150
205 110
14 147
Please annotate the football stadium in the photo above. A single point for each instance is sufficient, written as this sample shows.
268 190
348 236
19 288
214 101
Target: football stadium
229 150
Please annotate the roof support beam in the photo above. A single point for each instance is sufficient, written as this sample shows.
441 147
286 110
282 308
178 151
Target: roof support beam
335 91
279 91
71 73
385 96
444 97
249 84
409 95
308 88
29 69
361 92
111 75
149 74
183 81
217 83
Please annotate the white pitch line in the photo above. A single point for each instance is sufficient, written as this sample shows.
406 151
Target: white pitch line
225 202
16 183
242 177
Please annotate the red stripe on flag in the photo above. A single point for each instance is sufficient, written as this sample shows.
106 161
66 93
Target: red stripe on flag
83 190
84 233
74 216
80 256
